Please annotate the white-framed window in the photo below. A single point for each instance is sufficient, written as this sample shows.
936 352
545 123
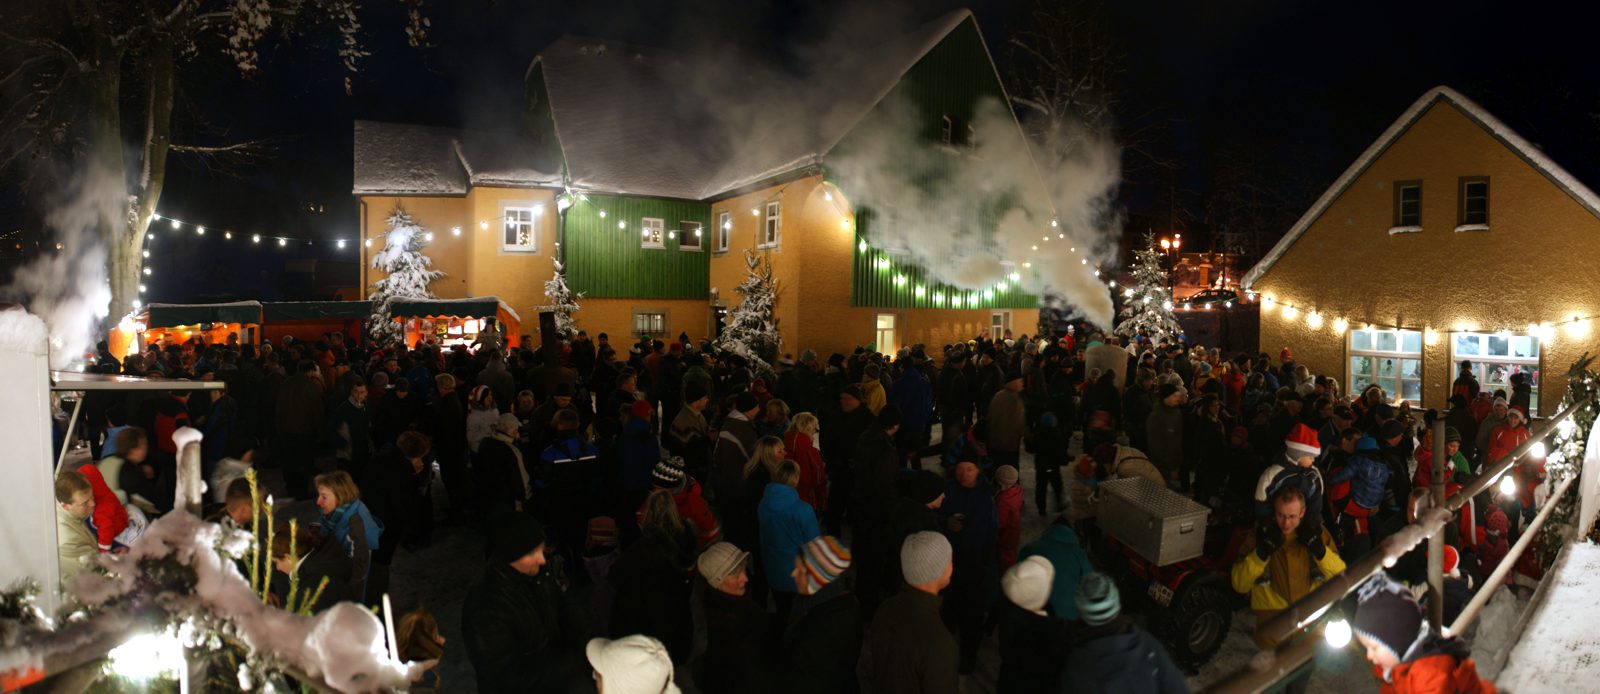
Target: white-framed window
724 230
690 235
772 226
520 228
947 130
1495 358
999 322
1408 203
652 233
1390 358
887 338
652 322
1475 200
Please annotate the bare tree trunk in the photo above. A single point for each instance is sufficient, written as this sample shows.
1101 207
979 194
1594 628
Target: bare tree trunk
126 244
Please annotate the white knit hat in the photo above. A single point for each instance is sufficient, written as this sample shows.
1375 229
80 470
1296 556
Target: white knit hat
1028 583
632 665
924 556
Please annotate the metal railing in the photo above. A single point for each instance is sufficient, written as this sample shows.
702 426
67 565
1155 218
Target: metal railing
1270 666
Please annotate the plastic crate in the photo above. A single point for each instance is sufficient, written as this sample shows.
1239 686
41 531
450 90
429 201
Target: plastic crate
1159 524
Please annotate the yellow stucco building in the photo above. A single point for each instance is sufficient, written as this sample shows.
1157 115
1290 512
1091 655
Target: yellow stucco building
1451 239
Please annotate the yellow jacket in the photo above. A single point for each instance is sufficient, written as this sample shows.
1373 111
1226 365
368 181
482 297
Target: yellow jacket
873 390
1282 578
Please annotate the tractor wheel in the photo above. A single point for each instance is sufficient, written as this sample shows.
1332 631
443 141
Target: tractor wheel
1197 623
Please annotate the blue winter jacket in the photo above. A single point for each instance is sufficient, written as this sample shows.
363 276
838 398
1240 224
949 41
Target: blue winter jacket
1128 660
1059 544
979 537
1367 475
913 394
787 522
638 451
337 525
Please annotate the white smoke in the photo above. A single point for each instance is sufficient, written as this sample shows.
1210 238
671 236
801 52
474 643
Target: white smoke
68 287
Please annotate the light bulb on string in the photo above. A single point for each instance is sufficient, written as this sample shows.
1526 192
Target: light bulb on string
150 237
174 223
147 271
340 243
368 243
455 231
227 235
1053 224
142 288
754 212
622 225
199 230
255 238
284 242
919 291
426 237
484 224
862 247
155 217
147 254
827 196
602 214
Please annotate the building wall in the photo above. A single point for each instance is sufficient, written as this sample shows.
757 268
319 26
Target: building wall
438 214
606 258
615 318
1532 266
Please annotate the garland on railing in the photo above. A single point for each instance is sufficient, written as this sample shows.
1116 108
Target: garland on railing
1566 454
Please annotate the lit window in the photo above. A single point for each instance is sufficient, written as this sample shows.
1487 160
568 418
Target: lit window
689 235
521 230
724 230
887 341
652 233
647 323
1392 359
1496 358
771 231
1475 200
999 322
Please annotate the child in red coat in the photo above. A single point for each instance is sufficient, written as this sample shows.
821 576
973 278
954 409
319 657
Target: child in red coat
110 517
1008 503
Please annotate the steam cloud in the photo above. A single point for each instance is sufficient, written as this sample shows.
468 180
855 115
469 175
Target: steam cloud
68 288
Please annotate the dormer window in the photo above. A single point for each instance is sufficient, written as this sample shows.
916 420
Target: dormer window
947 131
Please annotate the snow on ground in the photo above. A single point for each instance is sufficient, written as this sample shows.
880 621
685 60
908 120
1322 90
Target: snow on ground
1563 653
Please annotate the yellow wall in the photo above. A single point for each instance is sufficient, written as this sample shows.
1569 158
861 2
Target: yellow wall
1534 264
615 317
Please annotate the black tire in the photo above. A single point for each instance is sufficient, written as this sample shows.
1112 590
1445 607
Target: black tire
1197 623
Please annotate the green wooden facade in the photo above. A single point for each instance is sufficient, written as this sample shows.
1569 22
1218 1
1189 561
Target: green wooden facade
608 262
950 80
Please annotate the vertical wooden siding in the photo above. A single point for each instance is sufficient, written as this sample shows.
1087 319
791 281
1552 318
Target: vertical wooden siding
606 262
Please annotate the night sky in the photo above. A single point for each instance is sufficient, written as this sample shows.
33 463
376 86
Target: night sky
1298 88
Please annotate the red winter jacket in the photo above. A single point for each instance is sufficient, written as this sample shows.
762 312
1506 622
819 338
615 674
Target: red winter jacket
692 507
1441 673
813 485
110 518
1009 505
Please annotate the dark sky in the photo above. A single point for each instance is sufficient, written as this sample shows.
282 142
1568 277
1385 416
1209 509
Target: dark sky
1302 87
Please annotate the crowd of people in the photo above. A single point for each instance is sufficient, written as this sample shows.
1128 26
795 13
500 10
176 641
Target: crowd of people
620 489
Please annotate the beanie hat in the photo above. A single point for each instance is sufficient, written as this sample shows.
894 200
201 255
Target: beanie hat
565 390
693 392
507 423
889 416
602 532
1027 583
1391 429
1098 600
1344 412
1101 419
853 391
924 487
1285 353
823 560
924 556
1302 441
1388 615
478 394
513 536
1006 476
634 664
1496 523
1048 420
807 356
1451 435
1241 431
641 409
1013 375
668 472
1167 390
720 561
745 402
1366 443
1452 561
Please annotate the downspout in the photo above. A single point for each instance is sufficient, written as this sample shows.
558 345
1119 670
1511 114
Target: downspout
361 247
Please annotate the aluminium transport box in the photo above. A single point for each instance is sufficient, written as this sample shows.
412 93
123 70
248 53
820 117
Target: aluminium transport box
1162 525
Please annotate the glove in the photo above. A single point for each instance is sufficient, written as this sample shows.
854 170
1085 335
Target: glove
1268 540
1313 543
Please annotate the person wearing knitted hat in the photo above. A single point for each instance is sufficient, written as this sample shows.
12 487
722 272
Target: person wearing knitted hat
1109 652
1031 639
1406 655
482 416
872 388
1008 506
637 452
822 645
514 620
1164 432
688 435
873 469
736 658
1285 558
631 665
844 428
1295 469
970 520
669 474
1008 421
912 650
501 475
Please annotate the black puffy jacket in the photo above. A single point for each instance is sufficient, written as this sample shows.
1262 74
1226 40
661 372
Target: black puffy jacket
520 636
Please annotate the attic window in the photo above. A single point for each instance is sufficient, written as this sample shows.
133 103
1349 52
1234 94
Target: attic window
690 235
1474 201
1408 203
520 231
652 233
947 131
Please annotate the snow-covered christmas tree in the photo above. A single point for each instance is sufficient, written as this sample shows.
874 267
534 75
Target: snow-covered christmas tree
563 301
1147 306
752 330
407 274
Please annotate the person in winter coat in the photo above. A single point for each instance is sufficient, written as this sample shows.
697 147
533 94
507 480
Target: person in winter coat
798 441
1049 445
1455 469
638 451
1506 437
1031 639
503 477
787 522
1460 418
75 544
520 634
1296 468
845 428
913 394
110 521
1356 489
651 579
872 494
872 388
316 560
822 644
396 482
1406 657
912 652
298 414
736 442
350 429
692 507
1496 543
1059 544
915 509
688 436
1164 431
1008 422
736 659
634 664
481 418
1487 425
1008 506
955 396
1137 405
446 422
1293 556
1110 653
1521 393
971 522
347 521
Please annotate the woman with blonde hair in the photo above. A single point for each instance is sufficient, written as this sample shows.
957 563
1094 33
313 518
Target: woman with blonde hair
801 442
652 579
744 521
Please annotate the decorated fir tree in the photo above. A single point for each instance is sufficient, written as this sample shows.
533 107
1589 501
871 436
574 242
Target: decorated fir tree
563 301
752 330
1147 306
407 274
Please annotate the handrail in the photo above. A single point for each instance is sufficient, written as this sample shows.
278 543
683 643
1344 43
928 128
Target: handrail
1269 666
1497 580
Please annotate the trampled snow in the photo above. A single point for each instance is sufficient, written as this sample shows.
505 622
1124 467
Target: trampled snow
1558 649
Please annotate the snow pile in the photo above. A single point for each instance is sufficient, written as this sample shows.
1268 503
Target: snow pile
22 332
1560 653
1496 626
191 484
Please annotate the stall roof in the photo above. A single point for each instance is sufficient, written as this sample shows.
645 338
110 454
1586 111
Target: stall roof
316 310
73 381
470 307
172 315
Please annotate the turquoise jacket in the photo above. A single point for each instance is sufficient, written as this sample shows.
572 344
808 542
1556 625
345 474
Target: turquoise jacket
1059 544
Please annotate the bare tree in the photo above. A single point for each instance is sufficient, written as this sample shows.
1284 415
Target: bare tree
91 84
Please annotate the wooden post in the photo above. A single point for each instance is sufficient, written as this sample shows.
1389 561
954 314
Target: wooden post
1441 470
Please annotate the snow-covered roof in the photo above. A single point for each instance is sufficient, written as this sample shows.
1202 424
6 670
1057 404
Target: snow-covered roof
398 159
1529 153
635 120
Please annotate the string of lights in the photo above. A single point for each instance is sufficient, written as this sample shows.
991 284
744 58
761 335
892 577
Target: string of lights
1577 325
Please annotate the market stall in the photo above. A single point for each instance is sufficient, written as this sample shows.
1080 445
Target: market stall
310 321
455 321
162 324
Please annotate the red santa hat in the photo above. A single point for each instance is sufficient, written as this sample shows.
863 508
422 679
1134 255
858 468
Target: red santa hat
1302 441
1452 561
